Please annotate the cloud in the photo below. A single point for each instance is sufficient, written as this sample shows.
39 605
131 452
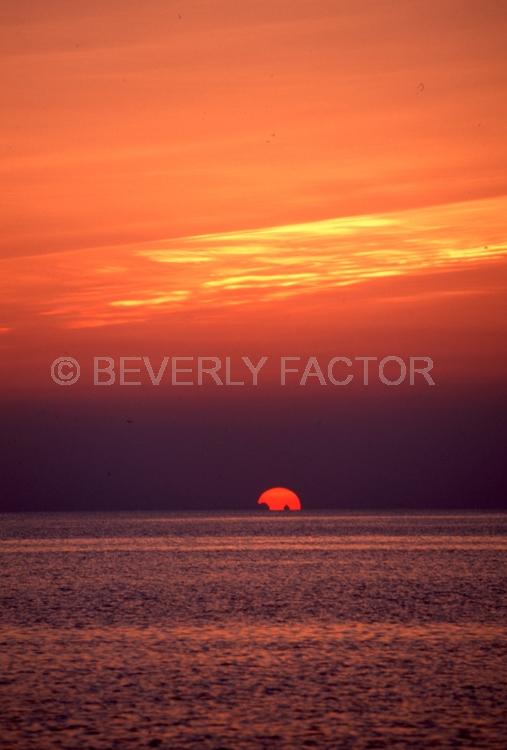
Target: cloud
213 271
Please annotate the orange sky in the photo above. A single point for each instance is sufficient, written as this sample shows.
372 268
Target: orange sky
322 175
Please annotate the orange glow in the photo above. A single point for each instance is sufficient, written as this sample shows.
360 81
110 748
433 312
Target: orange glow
77 289
258 175
279 499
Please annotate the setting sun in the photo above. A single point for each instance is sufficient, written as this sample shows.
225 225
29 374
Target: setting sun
279 499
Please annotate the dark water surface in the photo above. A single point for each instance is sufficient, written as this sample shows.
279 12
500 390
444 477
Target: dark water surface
278 631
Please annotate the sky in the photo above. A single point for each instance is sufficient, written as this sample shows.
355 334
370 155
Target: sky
306 178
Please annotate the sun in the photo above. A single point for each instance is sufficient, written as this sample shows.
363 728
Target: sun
280 498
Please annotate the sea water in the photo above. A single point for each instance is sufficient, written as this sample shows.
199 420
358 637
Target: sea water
264 631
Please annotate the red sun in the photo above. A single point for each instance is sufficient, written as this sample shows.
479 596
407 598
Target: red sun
280 498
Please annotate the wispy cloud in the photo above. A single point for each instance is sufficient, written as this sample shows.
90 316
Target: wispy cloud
161 299
255 266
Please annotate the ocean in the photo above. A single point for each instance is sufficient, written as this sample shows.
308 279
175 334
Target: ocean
137 630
